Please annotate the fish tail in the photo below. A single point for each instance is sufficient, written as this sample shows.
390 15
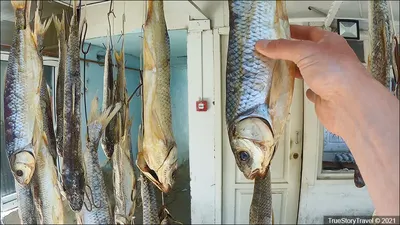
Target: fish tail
36 137
106 117
93 110
40 28
119 57
59 24
18 4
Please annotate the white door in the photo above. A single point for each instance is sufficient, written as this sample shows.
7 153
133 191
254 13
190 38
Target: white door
285 167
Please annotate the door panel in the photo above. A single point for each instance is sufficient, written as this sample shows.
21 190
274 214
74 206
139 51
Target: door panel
285 169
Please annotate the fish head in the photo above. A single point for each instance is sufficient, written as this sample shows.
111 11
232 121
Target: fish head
167 172
164 177
252 144
73 184
23 166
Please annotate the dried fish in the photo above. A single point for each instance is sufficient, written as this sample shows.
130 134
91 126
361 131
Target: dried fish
158 160
73 179
258 94
100 212
62 49
21 96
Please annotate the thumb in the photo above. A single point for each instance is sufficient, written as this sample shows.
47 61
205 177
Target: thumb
292 50
314 98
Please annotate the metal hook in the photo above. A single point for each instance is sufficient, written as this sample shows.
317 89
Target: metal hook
136 90
87 197
26 3
92 201
110 11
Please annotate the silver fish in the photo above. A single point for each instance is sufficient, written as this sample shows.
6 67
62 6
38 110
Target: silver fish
124 176
259 90
46 192
21 96
100 212
149 201
259 93
26 207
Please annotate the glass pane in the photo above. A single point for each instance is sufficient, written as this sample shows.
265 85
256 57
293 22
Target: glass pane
336 154
7 179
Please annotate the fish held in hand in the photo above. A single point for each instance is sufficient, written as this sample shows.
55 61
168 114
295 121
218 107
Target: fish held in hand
259 90
21 95
158 160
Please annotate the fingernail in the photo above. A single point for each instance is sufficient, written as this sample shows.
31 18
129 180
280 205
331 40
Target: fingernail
262 43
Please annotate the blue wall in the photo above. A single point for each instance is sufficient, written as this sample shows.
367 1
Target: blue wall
94 85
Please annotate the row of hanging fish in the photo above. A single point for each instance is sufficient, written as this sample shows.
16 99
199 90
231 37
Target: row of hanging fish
47 194
259 93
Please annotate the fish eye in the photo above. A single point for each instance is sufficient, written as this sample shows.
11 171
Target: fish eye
19 173
174 174
244 156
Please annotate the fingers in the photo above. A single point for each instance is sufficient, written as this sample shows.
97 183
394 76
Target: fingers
311 96
292 50
309 33
297 73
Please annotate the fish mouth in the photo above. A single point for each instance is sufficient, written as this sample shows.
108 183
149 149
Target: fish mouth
257 173
152 176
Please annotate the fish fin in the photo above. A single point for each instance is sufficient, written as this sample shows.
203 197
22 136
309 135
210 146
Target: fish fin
119 57
36 137
148 59
41 28
145 169
107 116
59 24
44 138
140 138
18 4
280 95
94 115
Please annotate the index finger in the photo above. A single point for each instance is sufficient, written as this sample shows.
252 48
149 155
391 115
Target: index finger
309 33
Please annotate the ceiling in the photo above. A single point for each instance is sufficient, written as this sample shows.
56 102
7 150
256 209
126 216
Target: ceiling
133 43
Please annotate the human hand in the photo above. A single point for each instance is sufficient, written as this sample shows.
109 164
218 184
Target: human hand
328 66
